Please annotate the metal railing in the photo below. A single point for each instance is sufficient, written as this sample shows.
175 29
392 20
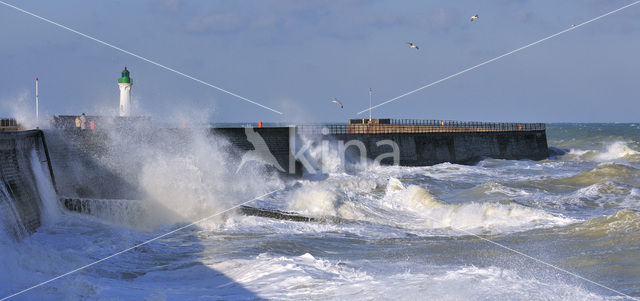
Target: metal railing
9 124
419 126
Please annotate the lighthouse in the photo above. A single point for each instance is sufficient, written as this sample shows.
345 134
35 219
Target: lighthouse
125 93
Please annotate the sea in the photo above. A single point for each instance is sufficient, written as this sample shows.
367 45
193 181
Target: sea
564 228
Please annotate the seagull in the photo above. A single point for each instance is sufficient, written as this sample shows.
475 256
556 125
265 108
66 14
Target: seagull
573 25
337 101
411 45
473 18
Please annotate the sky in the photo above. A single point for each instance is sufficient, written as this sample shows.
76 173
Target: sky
296 56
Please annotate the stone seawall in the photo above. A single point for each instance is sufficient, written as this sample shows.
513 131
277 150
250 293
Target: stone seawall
107 164
423 149
20 198
103 164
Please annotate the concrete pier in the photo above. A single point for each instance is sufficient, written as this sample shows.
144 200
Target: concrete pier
107 163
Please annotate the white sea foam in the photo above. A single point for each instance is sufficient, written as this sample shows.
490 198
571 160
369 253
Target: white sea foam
471 216
618 150
309 277
605 195
414 208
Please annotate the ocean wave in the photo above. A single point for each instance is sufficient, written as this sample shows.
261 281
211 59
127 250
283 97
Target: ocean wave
621 227
414 208
604 172
494 190
472 216
618 150
605 195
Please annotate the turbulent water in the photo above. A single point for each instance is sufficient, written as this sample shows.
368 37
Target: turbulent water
566 228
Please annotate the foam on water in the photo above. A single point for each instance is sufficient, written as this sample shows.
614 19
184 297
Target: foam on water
606 195
308 277
618 150
493 191
472 216
414 208
54 249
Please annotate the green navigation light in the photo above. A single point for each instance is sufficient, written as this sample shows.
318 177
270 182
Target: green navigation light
125 79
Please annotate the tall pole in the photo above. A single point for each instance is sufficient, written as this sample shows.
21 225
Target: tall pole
369 105
37 104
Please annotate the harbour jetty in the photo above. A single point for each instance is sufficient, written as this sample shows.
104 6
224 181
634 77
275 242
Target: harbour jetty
429 142
105 160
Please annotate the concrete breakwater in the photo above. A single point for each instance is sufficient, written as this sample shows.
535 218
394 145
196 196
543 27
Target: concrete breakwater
106 164
461 147
422 143
118 163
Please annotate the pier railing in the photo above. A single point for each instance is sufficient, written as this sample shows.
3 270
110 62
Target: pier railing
9 124
418 126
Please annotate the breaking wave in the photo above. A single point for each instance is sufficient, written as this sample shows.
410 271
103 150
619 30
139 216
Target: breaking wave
415 208
618 150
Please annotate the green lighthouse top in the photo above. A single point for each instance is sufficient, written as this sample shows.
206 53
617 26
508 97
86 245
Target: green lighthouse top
125 77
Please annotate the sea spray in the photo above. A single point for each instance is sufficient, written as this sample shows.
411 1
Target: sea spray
326 155
612 151
190 172
21 108
181 175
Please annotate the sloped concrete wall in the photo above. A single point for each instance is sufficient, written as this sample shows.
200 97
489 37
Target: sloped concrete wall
20 200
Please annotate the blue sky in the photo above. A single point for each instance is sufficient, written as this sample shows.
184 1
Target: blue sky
295 56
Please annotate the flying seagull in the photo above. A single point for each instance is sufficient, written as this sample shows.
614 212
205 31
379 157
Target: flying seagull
411 45
337 101
473 18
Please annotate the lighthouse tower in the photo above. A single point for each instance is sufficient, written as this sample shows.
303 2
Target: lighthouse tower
125 93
